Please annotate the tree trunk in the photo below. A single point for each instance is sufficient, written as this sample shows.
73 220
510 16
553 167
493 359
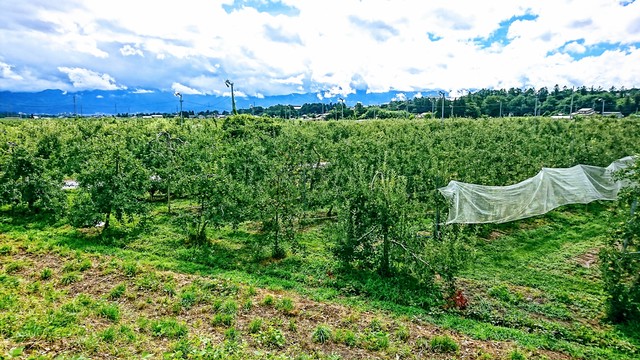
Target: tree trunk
107 221
384 265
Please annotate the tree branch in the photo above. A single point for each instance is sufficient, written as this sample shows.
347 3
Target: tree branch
409 252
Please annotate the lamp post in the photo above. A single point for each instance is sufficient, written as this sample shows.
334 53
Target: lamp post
233 99
180 96
442 116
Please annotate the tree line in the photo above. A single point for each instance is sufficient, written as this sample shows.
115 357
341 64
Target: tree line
480 103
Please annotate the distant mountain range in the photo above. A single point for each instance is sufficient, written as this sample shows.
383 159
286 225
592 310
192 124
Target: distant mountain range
101 102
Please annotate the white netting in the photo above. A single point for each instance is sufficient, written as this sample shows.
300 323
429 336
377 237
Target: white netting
550 188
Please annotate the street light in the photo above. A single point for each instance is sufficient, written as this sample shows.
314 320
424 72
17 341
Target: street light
233 99
180 96
442 94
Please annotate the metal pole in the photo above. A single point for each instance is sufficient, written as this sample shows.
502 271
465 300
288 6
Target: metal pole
571 106
602 113
179 95
442 115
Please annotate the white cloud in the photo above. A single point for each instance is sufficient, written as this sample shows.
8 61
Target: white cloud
7 73
400 97
575 47
142 91
129 50
184 90
84 79
367 45
99 97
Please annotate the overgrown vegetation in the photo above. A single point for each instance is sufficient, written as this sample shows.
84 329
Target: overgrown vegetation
264 238
620 260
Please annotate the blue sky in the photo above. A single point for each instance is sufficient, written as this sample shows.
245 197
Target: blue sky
330 48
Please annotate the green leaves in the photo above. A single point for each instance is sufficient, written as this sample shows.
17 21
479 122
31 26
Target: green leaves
112 183
620 260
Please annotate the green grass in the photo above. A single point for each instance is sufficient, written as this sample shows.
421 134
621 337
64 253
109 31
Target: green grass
528 286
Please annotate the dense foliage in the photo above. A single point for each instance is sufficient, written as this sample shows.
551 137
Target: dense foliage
620 260
476 104
379 177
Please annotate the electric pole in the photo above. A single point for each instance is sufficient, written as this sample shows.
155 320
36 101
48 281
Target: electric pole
233 100
181 116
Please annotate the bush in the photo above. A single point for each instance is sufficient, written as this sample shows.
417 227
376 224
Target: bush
322 334
620 260
443 344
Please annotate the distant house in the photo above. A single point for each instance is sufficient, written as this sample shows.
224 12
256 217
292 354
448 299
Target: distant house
613 114
584 112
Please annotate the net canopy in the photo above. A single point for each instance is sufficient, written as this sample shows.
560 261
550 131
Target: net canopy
549 189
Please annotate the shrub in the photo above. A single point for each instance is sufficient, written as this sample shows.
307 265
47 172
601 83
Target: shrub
402 333
255 326
321 334
223 319
46 274
517 355
346 337
130 269
109 311
619 260
272 338
285 305
443 344
70 278
268 300
14 267
168 328
117 291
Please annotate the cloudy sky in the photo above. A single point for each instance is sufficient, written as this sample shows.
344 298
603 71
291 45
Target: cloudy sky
328 47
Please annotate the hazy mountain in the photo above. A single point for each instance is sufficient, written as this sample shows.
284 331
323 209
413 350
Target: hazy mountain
125 101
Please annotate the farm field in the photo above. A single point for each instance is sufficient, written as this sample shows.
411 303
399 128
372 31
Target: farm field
253 238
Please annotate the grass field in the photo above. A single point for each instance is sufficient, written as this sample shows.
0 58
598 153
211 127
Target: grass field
533 292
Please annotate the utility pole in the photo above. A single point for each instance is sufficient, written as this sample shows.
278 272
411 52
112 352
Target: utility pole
342 109
75 112
571 106
602 113
181 116
233 99
442 116
500 108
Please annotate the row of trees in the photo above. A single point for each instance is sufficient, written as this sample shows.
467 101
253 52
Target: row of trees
377 181
484 102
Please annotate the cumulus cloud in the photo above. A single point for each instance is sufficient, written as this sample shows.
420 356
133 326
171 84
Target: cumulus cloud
84 79
331 48
575 47
400 97
142 91
184 90
7 73
129 50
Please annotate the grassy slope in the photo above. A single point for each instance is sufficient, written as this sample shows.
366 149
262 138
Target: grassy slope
533 287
